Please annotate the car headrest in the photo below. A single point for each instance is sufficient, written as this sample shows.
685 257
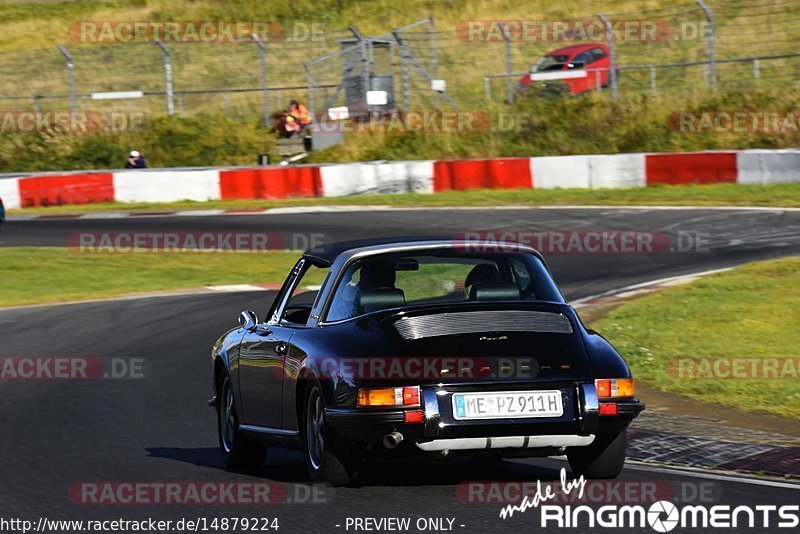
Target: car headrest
370 300
494 292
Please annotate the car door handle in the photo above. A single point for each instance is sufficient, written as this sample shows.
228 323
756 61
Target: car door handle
281 349
262 330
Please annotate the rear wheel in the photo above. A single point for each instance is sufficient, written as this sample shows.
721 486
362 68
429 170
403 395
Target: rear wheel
238 449
604 458
326 457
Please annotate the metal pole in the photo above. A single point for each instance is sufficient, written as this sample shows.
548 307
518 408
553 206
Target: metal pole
404 79
262 58
310 86
434 57
712 59
73 102
653 80
365 74
611 52
434 49
509 66
168 78
487 89
756 69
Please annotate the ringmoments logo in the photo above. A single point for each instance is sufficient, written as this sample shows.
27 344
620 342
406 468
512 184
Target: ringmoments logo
660 516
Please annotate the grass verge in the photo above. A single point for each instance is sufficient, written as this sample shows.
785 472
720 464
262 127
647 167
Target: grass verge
39 275
775 195
686 339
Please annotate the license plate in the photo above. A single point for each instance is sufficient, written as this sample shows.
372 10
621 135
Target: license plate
507 404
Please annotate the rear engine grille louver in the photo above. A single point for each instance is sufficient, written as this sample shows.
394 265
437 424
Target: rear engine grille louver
447 324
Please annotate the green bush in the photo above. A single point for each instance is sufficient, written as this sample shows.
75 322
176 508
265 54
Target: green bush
213 139
544 125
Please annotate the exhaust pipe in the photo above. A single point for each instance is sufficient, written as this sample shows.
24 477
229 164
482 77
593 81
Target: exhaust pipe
392 440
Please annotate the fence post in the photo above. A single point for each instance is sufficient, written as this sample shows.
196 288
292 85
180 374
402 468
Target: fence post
73 99
168 77
653 79
712 59
756 69
487 89
509 66
262 58
404 79
434 56
365 66
612 52
310 87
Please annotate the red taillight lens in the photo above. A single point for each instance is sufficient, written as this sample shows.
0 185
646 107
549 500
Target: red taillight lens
603 388
414 417
411 396
608 408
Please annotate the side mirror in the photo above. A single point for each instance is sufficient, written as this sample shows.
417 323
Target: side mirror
248 320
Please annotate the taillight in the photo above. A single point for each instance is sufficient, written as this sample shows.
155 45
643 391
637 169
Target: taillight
407 396
414 417
608 408
614 388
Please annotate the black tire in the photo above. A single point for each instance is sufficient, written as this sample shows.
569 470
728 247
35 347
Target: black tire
326 456
237 448
604 458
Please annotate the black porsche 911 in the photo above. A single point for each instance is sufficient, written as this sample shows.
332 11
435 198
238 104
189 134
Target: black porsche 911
392 347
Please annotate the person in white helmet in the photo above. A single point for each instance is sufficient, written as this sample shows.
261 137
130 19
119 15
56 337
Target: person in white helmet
136 161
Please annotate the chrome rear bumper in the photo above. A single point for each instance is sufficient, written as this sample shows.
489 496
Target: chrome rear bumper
505 442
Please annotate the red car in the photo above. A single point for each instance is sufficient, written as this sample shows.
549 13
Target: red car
581 67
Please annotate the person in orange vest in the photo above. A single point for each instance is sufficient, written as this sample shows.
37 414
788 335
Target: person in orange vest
299 112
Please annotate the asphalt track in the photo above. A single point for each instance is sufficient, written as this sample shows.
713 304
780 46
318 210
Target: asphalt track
158 428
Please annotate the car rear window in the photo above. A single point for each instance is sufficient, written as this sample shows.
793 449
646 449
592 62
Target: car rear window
394 280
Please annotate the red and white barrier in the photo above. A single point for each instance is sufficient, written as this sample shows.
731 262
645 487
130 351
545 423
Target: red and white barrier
377 178
167 185
9 192
590 172
336 180
768 166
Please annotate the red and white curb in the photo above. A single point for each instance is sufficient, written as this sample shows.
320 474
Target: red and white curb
382 177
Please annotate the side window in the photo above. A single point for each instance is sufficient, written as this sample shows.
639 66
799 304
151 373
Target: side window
597 53
582 59
304 293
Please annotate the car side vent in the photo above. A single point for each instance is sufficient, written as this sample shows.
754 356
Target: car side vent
447 324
